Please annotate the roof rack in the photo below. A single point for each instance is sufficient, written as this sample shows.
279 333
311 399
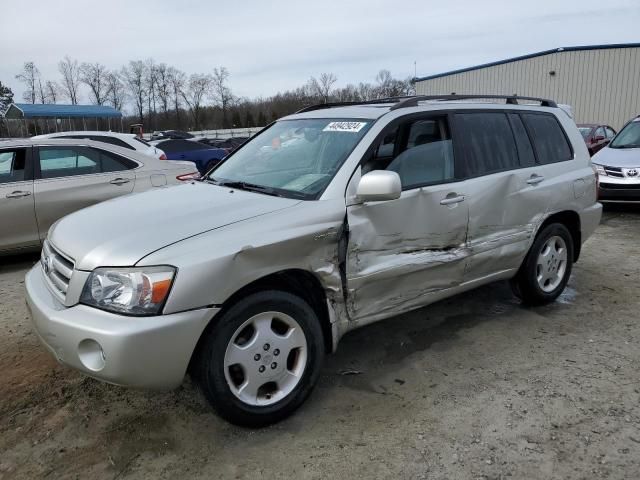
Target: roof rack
412 101
320 106
510 99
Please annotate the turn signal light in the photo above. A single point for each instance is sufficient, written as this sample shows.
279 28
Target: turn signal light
163 157
189 176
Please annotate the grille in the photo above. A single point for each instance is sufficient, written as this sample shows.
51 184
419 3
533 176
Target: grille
57 268
614 172
620 186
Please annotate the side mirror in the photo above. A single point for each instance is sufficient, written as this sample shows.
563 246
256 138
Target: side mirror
379 185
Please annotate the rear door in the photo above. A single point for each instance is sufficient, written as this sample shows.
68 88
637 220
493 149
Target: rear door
17 215
69 178
402 251
506 201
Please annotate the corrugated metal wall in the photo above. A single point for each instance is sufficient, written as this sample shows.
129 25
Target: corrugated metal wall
601 85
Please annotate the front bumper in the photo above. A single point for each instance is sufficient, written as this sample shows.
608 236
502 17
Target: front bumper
148 352
619 192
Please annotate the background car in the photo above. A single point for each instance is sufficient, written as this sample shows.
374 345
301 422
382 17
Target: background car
42 180
125 140
228 144
170 134
596 136
618 166
204 156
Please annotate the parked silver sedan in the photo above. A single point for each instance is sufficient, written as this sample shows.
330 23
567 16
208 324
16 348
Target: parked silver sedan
44 180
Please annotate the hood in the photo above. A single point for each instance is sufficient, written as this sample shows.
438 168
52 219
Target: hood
121 231
618 157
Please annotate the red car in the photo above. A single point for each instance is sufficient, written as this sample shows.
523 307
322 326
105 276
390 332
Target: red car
596 136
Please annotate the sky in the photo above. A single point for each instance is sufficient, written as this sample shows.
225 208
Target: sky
270 46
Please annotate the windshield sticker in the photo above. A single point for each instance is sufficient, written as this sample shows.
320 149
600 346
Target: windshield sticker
352 127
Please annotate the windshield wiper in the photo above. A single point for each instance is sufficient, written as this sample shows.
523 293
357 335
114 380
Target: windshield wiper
250 187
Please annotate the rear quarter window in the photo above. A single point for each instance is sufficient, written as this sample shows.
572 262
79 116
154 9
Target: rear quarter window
548 137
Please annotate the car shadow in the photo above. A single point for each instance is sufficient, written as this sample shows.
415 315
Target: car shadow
13 263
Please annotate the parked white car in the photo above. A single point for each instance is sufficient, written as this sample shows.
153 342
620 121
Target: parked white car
124 140
618 165
42 180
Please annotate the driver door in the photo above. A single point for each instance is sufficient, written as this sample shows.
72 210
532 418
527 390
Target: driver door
402 252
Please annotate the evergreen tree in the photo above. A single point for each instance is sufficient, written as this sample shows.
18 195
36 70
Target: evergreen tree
235 119
249 120
262 120
6 97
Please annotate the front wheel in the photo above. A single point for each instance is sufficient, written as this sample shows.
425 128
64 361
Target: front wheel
547 267
261 359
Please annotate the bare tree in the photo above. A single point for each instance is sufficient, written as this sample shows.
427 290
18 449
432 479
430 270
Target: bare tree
42 92
150 83
115 94
70 72
194 94
53 91
221 92
134 78
389 86
94 75
29 76
163 85
177 81
321 87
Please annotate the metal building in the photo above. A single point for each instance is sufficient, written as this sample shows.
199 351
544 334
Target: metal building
600 82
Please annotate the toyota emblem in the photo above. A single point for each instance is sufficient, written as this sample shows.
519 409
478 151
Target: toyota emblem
47 264
632 172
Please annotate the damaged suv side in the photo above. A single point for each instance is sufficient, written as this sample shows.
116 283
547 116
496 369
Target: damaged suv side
329 219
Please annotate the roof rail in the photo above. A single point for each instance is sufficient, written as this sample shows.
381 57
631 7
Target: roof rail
405 101
510 99
320 106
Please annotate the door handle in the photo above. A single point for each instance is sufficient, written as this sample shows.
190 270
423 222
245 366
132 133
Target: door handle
18 194
119 181
535 179
451 199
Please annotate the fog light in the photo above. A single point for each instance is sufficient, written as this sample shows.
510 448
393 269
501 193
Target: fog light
91 354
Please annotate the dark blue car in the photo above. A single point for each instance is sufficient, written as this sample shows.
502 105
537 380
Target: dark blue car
204 156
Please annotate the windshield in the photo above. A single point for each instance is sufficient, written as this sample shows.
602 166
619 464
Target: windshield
585 131
293 158
629 136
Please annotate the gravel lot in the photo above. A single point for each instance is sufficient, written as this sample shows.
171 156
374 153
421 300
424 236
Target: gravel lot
473 387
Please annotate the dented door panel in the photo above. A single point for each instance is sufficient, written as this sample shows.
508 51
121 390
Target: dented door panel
504 212
401 250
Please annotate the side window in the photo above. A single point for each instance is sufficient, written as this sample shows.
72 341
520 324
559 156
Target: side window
111 140
110 162
12 165
523 144
600 132
610 133
67 161
487 143
425 156
548 138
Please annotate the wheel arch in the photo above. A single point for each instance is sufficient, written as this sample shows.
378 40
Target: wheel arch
301 283
571 220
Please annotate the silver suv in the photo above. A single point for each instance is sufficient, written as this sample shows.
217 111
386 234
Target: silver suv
329 219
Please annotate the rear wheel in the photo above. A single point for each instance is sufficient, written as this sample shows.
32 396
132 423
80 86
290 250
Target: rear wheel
547 267
262 358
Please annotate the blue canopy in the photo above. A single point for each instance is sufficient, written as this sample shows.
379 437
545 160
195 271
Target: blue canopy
28 110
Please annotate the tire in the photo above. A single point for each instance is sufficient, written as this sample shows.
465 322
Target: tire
253 331
542 278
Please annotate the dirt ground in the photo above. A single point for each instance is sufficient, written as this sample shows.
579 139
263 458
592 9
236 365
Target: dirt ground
473 387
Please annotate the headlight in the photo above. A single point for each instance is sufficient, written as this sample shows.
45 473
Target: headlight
600 170
132 291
